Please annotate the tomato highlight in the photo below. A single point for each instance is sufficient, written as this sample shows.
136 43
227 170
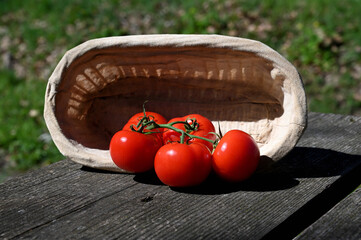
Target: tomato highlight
133 151
204 128
142 117
183 165
236 156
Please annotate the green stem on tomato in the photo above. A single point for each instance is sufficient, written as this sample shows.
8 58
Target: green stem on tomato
145 115
154 125
147 123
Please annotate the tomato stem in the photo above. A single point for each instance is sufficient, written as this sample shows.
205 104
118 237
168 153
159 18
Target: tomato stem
190 125
145 115
154 125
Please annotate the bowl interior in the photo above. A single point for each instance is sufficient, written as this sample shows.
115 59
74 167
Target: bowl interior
102 89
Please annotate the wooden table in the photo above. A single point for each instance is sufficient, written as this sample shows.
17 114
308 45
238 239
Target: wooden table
310 194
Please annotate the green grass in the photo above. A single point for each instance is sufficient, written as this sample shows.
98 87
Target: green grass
321 38
24 139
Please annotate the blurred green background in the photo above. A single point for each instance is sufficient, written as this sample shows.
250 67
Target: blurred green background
322 38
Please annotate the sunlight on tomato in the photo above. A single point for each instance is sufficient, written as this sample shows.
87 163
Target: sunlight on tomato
205 130
183 165
133 151
236 156
158 118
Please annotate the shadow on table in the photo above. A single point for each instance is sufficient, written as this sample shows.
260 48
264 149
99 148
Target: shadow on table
301 162
306 162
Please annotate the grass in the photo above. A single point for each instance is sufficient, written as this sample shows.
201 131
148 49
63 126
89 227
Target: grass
24 140
321 38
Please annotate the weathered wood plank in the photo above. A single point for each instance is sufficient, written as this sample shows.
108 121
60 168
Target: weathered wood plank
341 222
47 194
65 200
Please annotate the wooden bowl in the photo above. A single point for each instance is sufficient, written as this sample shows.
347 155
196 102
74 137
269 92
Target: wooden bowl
237 83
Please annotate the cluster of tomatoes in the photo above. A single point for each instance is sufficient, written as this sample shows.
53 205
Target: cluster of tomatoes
184 150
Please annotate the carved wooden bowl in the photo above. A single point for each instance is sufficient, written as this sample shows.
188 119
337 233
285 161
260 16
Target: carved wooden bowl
237 83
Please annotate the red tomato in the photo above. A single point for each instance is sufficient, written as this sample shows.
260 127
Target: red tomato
133 151
158 118
183 165
204 129
236 156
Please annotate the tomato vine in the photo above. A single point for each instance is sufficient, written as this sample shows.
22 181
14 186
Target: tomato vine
191 124
183 150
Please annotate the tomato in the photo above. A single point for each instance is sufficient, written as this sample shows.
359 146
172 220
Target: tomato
133 151
183 165
236 156
158 118
203 130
